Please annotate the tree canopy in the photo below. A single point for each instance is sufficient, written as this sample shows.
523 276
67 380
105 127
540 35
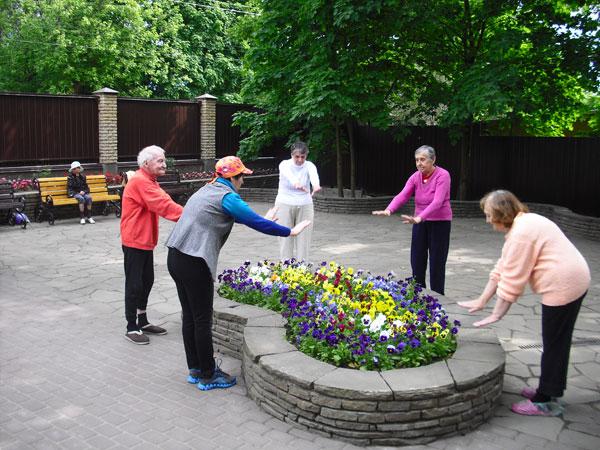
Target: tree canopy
165 48
315 64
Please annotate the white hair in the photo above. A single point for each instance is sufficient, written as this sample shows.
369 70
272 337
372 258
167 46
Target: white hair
428 150
149 153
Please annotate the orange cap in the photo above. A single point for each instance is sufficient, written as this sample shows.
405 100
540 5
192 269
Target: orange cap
230 166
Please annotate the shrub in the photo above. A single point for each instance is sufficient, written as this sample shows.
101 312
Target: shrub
347 318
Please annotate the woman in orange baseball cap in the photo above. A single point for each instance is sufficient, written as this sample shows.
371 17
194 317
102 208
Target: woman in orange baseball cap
194 247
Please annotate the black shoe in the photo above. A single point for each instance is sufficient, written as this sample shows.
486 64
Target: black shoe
137 337
153 329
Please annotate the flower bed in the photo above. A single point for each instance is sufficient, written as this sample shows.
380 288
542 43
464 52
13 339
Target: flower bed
366 407
347 318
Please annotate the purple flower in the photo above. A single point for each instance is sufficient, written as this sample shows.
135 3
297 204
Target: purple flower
401 346
457 323
414 343
454 330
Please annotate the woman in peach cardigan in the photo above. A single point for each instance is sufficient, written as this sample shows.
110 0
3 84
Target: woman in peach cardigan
536 252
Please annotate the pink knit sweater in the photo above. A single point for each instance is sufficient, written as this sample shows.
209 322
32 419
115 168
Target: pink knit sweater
432 199
537 252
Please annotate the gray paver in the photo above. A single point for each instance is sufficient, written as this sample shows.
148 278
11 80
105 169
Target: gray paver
68 379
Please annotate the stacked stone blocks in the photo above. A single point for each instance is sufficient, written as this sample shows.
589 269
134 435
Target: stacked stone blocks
107 125
395 407
208 121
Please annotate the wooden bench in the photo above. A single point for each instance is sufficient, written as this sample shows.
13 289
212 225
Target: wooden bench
9 203
172 185
53 193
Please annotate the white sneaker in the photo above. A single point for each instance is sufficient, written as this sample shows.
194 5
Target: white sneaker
82 221
90 220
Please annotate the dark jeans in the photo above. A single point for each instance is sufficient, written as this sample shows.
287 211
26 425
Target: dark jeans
195 290
430 239
557 331
139 278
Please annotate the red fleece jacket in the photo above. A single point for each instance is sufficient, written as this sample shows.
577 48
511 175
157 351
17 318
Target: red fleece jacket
143 201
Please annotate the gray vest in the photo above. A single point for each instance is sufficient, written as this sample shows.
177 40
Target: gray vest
203 227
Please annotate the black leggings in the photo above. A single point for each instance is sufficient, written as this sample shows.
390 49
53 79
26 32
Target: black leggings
430 238
195 290
557 330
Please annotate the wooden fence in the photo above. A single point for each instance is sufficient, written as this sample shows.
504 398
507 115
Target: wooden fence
558 171
51 129
48 129
172 125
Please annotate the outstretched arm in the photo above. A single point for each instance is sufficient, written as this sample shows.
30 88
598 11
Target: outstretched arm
479 303
500 309
161 203
242 213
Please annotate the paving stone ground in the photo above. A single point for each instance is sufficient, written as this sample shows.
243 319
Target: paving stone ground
68 378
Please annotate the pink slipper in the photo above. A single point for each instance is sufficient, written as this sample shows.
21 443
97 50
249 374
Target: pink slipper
528 392
528 408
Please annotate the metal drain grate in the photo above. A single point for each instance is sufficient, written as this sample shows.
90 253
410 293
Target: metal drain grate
577 343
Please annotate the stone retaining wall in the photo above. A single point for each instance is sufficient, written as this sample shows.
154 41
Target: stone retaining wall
395 407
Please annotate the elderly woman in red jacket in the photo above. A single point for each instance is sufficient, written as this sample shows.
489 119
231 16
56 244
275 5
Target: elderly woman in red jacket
535 252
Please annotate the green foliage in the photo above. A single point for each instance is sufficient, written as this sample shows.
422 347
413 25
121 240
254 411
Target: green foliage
45 172
498 60
312 66
144 48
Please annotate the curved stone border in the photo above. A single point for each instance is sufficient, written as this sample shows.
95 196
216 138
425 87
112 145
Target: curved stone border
394 407
566 219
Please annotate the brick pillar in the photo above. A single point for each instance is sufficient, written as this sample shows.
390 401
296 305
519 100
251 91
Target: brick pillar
208 130
107 129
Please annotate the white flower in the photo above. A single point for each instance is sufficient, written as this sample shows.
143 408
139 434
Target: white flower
397 323
366 320
377 323
261 272
384 334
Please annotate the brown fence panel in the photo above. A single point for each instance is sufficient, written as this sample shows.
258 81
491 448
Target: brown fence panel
559 171
172 125
48 129
228 136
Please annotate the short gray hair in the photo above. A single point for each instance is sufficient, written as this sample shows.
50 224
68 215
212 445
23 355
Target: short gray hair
426 149
148 154
299 147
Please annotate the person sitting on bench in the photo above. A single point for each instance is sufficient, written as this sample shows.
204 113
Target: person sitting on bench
78 188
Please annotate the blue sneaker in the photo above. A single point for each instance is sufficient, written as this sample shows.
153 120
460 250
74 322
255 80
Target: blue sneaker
219 379
194 376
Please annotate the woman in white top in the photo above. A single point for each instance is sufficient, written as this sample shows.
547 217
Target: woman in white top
294 200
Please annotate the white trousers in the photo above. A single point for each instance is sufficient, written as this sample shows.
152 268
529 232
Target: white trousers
289 216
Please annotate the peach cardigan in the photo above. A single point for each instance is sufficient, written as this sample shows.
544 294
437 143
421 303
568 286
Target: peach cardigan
537 252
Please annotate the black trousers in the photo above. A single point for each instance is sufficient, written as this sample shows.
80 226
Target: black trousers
195 290
139 278
430 239
557 331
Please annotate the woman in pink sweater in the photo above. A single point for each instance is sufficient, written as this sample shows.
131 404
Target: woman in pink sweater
535 252
430 185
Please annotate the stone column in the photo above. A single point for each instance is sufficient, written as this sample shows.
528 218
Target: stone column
107 129
208 130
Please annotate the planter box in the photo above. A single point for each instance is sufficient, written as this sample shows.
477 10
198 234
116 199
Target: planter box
395 407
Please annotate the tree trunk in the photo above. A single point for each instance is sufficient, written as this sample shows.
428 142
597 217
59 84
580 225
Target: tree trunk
466 144
350 129
338 153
